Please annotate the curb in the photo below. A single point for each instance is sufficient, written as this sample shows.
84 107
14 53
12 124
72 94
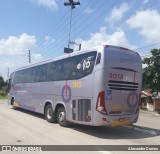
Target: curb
154 113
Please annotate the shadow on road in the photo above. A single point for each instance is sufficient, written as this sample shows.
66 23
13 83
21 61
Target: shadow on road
35 114
122 132
103 132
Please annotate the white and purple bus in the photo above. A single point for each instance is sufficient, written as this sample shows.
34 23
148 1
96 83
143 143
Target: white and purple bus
100 86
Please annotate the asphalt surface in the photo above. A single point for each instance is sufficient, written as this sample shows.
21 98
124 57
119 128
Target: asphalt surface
21 127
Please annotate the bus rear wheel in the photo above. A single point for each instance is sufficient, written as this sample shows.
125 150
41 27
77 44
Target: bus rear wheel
50 114
61 117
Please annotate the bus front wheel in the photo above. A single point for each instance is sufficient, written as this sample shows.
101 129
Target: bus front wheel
61 116
13 103
50 114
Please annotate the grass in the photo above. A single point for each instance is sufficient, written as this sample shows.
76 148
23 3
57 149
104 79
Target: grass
3 97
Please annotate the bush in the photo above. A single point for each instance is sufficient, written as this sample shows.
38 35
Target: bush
3 91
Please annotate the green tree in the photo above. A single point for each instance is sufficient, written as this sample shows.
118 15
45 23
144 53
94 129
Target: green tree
1 82
151 73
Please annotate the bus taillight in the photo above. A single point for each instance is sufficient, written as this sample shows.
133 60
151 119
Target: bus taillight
100 106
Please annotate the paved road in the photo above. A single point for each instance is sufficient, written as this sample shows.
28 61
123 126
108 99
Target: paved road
21 127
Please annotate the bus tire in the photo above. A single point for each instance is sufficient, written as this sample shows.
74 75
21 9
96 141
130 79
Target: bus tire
50 115
61 117
13 104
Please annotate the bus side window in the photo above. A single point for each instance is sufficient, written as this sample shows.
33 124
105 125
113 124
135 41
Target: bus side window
38 74
72 68
18 77
28 75
31 75
64 72
68 69
53 72
44 72
85 64
98 58
80 67
49 72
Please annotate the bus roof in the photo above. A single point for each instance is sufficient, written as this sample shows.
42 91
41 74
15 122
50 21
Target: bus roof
57 58
99 48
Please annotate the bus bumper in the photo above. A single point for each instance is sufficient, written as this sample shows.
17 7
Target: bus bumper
118 120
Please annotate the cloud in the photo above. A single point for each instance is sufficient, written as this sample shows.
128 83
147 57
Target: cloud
14 52
148 23
145 1
16 45
89 11
50 4
117 13
49 39
118 38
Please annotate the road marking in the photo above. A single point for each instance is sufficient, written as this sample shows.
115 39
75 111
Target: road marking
138 129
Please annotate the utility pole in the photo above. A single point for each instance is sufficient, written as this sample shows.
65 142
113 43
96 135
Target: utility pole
8 73
29 56
72 4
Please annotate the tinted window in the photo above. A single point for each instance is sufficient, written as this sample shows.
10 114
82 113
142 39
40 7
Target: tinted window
28 75
77 67
24 76
67 69
38 74
85 64
98 58
17 77
43 76
51 71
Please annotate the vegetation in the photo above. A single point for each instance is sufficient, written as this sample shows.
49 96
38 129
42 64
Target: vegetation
3 88
3 97
151 73
1 82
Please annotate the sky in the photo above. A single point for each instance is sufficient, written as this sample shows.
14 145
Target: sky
42 26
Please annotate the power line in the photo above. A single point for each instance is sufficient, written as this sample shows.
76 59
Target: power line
73 33
99 15
60 27
62 32
148 46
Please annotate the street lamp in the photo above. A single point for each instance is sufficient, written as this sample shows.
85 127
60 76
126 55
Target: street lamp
72 4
